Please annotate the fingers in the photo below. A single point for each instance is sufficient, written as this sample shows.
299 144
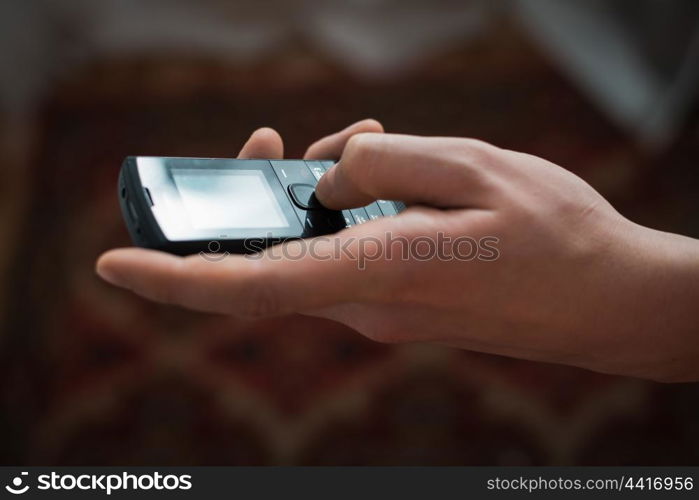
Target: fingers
438 171
263 143
289 279
330 147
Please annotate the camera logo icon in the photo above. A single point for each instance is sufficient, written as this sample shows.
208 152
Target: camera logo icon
16 487
213 254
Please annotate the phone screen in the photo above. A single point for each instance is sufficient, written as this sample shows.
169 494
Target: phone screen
219 198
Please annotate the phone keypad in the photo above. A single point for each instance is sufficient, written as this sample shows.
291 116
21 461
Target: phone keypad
379 208
292 172
373 211
360 215
387 208
316 169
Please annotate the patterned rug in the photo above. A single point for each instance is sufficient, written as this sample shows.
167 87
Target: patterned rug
92 375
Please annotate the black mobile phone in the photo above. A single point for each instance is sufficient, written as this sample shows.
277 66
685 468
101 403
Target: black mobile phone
191 205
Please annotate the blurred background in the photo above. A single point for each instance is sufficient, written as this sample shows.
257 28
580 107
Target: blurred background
93 375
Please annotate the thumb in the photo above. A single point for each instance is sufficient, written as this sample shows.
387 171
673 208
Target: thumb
442 172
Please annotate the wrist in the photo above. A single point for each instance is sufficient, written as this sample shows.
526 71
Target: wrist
662 305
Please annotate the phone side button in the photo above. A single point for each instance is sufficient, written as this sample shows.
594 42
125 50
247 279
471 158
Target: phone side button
149 197
132 210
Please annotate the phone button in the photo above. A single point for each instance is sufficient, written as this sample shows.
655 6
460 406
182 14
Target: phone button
349 218
373 211
317 169
303 196
387 207
360 215
292 171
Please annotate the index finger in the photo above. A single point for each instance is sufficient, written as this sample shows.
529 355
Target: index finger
331 146
263 143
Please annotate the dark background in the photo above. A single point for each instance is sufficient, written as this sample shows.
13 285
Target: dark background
92 375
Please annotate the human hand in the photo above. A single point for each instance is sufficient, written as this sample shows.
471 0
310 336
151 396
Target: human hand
574 282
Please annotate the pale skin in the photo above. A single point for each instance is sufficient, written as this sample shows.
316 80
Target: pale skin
575 282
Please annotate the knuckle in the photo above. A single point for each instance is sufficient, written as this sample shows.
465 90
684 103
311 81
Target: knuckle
361 145
478 153
361 156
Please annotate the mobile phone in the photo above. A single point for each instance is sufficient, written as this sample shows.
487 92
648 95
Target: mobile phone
190 205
